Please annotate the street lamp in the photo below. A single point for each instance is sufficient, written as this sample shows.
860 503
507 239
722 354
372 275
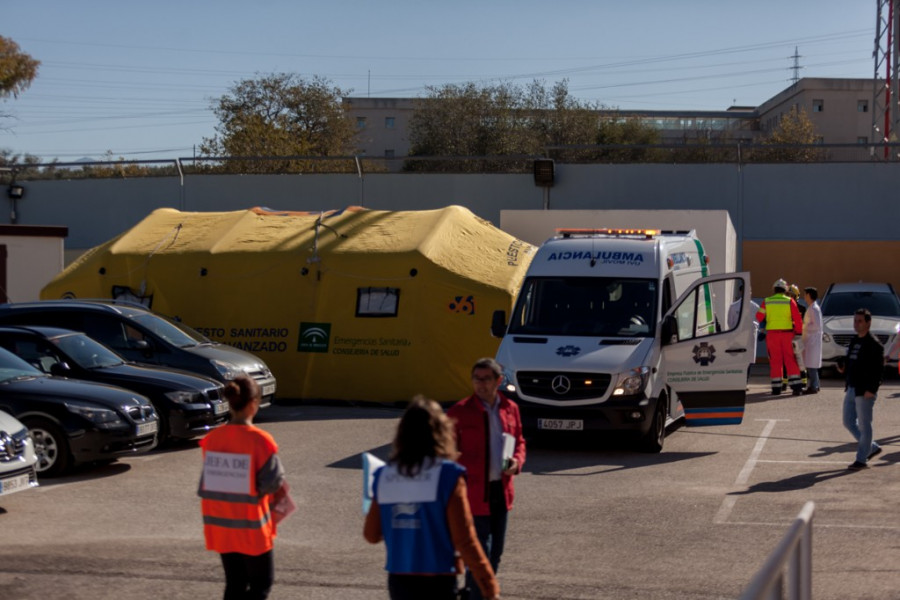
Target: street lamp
15 191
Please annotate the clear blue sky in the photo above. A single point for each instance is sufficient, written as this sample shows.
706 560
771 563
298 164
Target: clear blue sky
138 78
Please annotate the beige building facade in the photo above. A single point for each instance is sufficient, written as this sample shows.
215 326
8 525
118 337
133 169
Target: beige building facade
841 110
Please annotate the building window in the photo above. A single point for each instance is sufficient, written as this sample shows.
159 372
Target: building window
389 154
862 106
862 140
360 122
389 122
818 105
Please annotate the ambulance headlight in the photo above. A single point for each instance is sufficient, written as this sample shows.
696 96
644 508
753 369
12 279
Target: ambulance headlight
507 384
632 382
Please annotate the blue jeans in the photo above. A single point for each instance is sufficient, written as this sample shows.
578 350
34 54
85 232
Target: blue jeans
812 377
491 532
858 421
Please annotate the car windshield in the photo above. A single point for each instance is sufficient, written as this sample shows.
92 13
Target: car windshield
13 367
85 352
176 334
881 304
586 306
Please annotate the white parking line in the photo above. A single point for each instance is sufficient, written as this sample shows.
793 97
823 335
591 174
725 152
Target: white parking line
744 476
724 513
805 462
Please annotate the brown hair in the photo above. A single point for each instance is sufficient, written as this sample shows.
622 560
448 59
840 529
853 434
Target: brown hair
424 432
240 391
489 363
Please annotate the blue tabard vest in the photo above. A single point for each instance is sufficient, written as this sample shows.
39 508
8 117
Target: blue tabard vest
414 517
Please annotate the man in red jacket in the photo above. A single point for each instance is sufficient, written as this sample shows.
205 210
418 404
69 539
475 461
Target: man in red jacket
492 449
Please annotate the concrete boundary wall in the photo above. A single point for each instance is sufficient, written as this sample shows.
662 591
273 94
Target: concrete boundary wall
805 202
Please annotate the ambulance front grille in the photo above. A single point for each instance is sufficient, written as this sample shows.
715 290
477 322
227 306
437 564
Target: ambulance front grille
562 385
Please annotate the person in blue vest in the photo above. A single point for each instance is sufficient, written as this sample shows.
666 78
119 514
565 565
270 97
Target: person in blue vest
421 511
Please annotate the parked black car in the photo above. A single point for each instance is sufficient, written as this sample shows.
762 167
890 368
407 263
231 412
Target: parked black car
187 404
74 421
143 336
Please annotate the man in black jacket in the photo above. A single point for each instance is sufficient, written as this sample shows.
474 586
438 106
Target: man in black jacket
863 369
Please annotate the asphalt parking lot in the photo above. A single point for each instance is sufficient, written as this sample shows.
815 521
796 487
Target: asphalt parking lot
590 521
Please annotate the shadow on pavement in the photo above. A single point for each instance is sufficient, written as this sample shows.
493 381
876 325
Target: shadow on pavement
354 461
86 472
797 482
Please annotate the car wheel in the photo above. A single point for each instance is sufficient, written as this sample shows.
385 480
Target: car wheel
162 434
653 440
51 446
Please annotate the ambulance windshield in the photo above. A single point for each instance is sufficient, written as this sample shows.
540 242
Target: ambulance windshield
586 306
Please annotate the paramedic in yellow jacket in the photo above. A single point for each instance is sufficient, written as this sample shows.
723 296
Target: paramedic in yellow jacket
783 322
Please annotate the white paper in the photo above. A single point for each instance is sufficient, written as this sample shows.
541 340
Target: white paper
371 463
394 488
509 446
226 472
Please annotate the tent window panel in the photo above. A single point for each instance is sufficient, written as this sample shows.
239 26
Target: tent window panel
377 302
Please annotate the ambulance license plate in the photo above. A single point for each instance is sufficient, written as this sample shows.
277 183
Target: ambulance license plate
561 424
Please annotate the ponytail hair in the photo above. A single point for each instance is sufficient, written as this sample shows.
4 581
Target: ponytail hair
241 391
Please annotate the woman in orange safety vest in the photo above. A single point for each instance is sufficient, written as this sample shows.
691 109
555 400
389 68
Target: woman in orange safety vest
241 476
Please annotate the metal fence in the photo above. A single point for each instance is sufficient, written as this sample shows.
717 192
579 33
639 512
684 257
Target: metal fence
686 153
787 573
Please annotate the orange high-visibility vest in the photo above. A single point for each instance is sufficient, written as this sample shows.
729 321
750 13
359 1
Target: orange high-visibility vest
236 517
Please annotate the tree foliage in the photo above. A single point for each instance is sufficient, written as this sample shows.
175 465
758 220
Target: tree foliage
21 163
629 137
17 69
507 125
279 115
792 140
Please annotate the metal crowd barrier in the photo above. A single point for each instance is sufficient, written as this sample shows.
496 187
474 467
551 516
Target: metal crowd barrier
787 573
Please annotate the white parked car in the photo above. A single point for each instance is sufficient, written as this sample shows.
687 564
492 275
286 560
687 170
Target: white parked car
17 457
838 305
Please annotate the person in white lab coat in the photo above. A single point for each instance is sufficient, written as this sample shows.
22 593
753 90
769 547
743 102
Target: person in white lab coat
812 340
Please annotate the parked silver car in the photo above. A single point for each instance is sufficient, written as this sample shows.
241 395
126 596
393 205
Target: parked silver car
17 457
838 305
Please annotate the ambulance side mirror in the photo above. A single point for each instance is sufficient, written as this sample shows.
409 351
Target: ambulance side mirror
669 333
498 323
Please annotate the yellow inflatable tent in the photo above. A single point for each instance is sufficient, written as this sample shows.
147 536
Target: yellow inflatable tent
353 304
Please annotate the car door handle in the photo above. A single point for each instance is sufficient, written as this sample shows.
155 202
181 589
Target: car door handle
735 350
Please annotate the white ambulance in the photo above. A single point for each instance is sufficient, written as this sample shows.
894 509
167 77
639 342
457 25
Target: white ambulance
622 330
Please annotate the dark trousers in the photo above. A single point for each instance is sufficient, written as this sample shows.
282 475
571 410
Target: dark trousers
248 577
422 587
491 532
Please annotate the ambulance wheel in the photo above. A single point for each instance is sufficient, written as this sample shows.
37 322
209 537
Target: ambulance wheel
653 440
